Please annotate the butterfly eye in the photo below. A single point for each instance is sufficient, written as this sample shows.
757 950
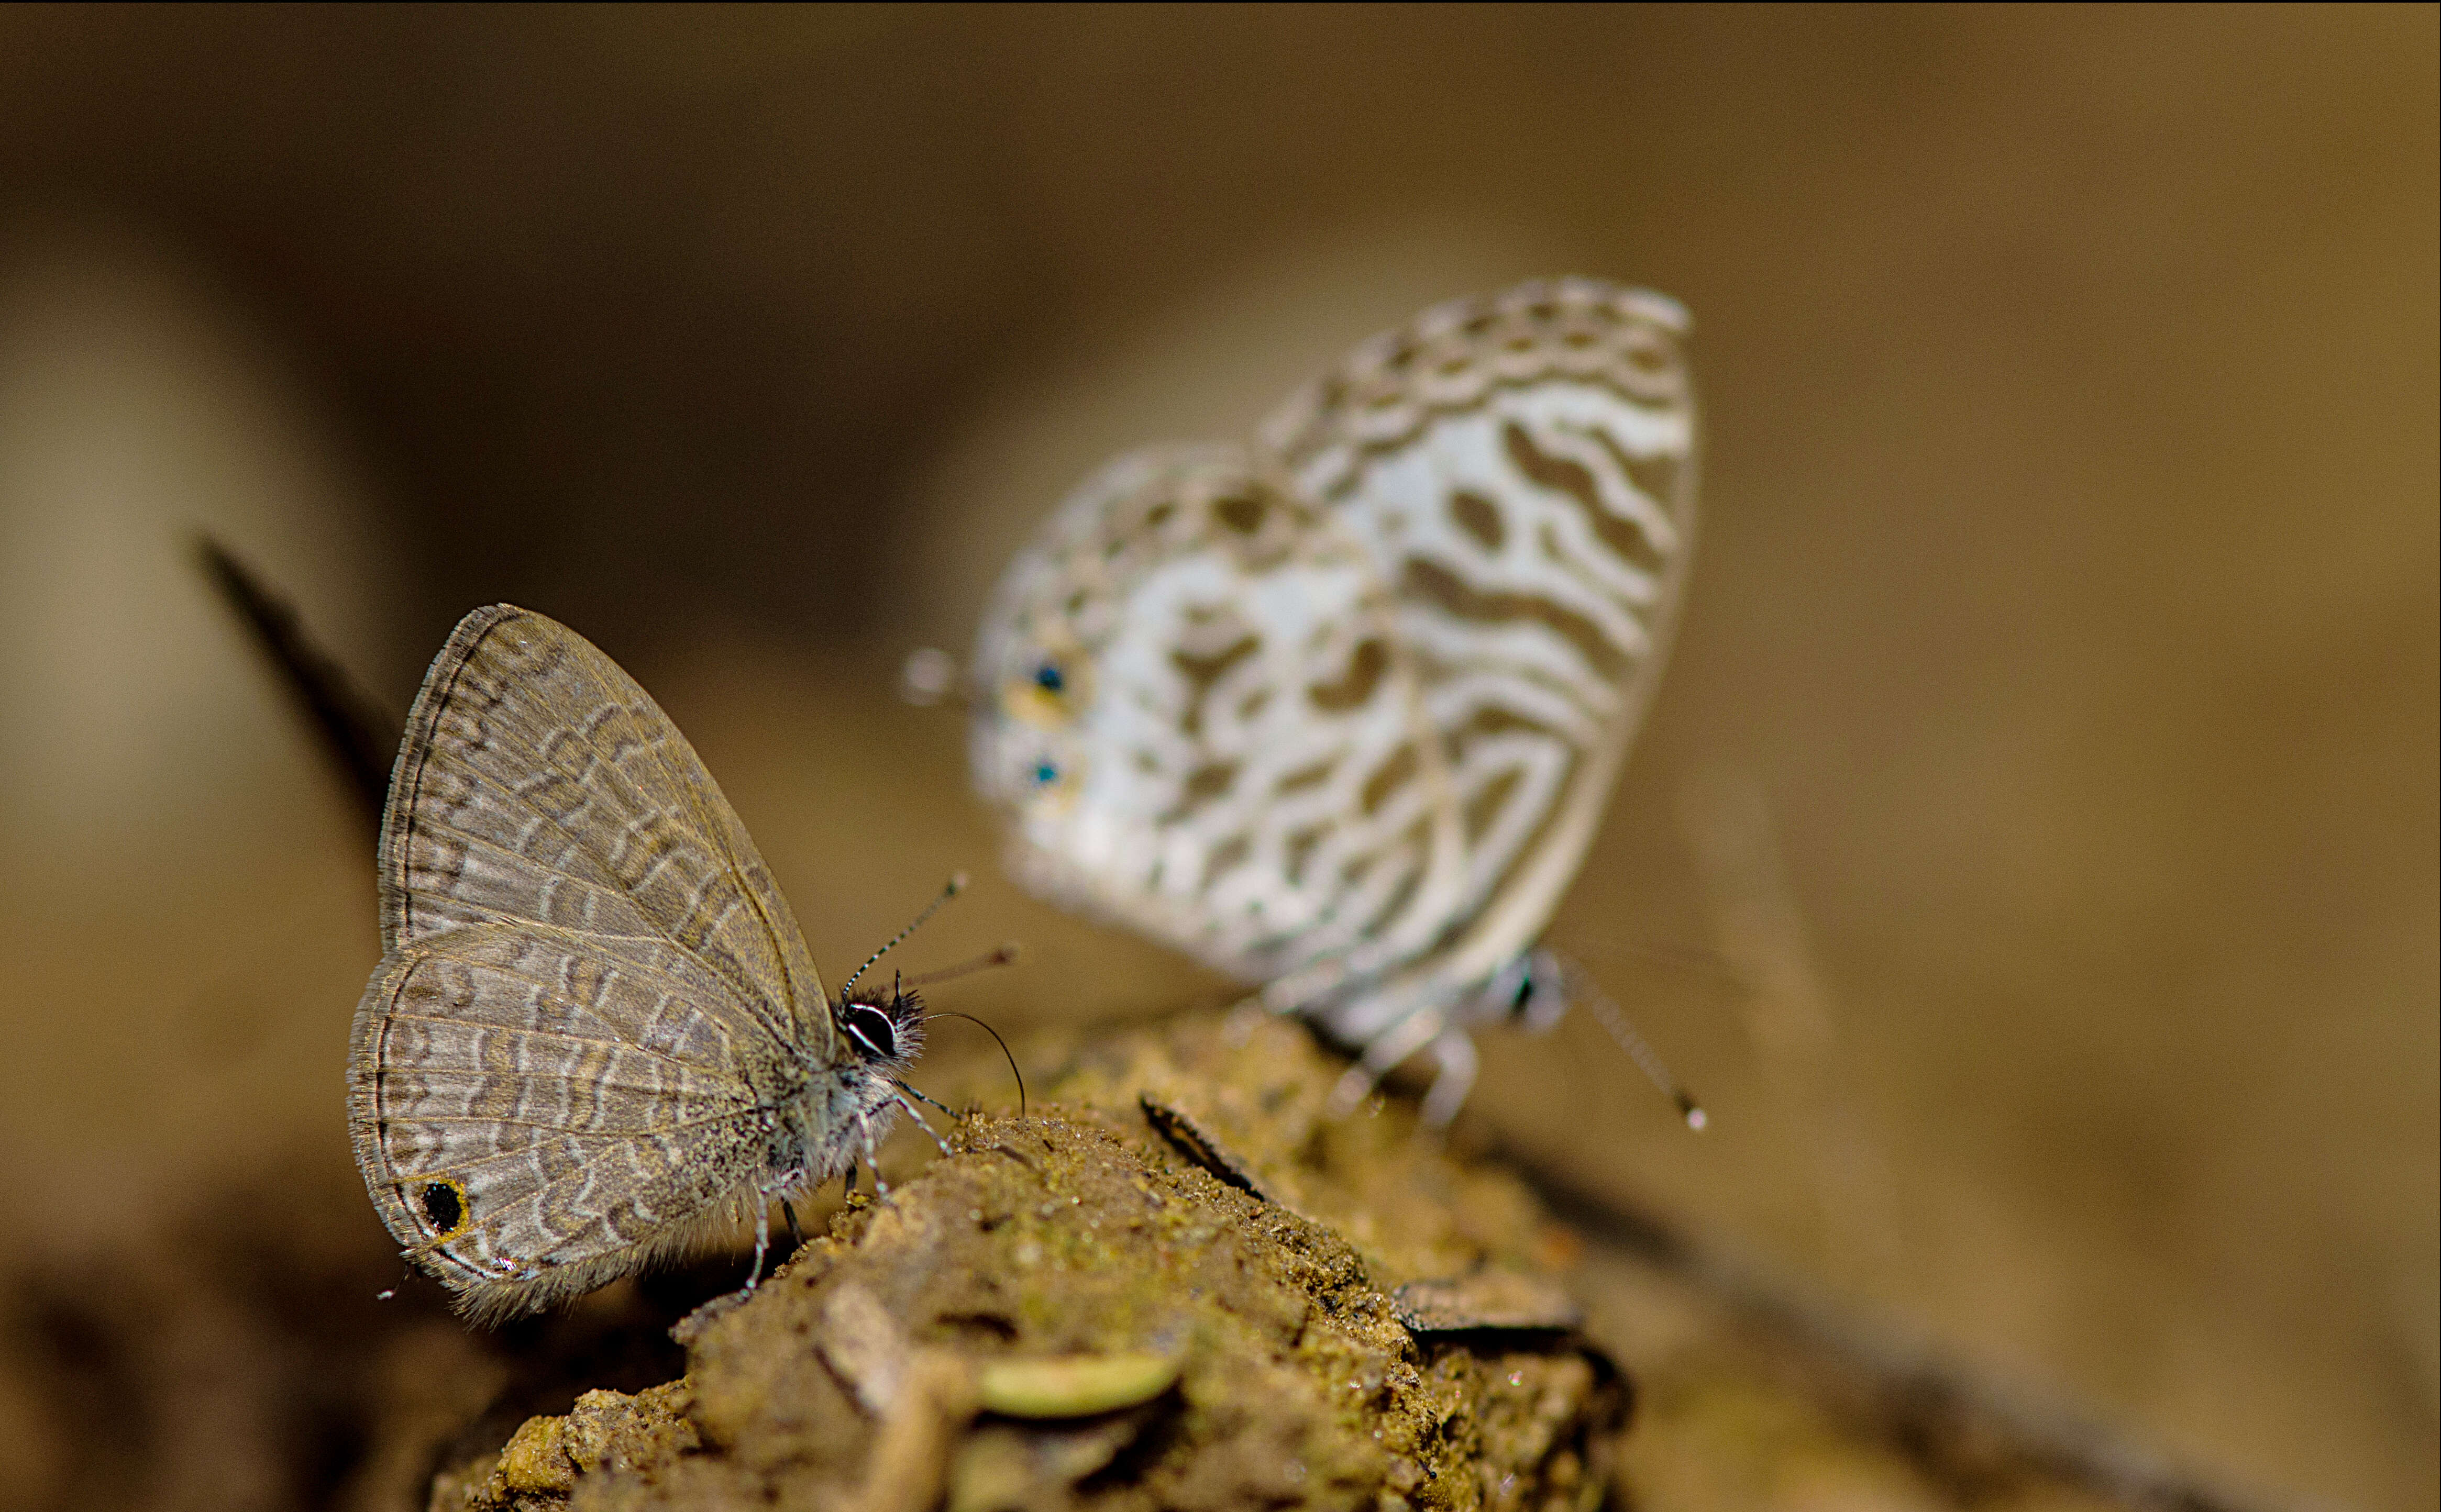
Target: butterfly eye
1050 679
870 1028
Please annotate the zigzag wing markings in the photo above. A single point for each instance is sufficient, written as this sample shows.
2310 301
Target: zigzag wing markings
1522 467
1235 707
596 1032
496 1061
1508 485
539 783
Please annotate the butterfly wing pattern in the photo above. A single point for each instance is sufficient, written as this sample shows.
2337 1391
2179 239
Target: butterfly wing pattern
595 1032
1338 713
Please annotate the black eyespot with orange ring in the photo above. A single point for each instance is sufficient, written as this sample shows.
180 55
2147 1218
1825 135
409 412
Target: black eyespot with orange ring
440 1202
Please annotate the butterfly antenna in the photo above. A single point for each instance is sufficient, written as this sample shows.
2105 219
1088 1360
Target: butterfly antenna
957 885
1614 1018
1004 1050
1006 956
1695 960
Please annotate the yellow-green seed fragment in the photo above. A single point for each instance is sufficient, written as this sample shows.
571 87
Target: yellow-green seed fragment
1074 1386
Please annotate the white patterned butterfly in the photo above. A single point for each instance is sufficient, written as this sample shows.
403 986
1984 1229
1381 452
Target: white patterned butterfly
1338 713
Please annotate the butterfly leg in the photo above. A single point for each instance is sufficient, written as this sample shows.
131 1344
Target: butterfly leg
1383 1051
1454 1051
1244 1016
872 1159
933 1103
762 1247
919 1120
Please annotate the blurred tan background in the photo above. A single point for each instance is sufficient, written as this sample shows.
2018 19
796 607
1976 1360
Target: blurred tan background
2032 857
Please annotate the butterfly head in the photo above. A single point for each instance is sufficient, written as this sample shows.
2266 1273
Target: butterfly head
882 1026
1531 992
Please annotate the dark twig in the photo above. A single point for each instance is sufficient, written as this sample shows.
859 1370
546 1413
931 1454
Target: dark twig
1196 1143
357 738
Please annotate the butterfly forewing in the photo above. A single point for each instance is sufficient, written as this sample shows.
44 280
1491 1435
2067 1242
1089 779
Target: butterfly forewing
1522 471
539 783
591 998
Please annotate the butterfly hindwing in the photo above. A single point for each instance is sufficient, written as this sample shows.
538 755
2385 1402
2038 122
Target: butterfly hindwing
523 1134
1204 728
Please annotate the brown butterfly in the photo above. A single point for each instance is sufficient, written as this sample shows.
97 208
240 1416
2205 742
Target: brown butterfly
595 1035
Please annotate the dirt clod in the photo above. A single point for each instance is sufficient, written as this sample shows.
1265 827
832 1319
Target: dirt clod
1069 1311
